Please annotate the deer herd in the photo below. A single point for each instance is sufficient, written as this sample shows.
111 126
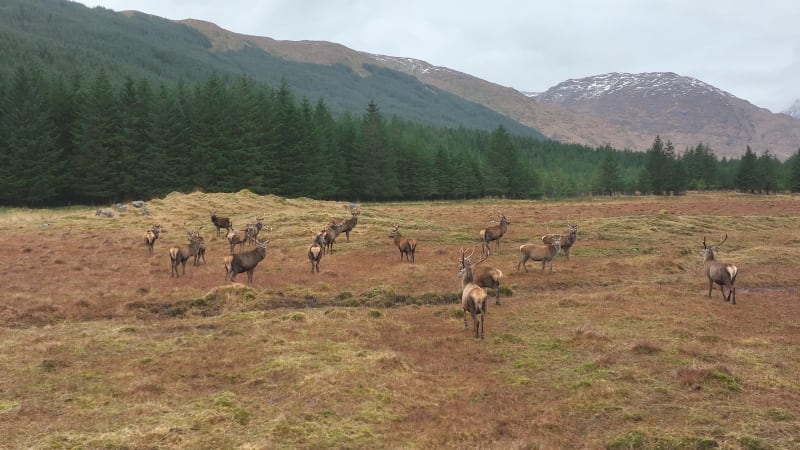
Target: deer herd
475 279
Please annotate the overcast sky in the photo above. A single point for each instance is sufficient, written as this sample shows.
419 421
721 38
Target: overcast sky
748 48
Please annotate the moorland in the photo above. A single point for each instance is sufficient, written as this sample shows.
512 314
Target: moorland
619 347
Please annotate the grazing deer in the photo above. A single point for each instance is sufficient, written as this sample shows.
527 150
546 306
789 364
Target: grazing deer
150 237
351 223
178 255
245 261
568 237
221 222
493 233
720 273
407 246
544 253
486 276
473 297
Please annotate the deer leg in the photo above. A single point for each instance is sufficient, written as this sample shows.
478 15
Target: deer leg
710 287
497 289
733 291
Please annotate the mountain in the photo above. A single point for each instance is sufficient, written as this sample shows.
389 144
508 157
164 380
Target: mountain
793 110
70 39
618 109
681 109
625 111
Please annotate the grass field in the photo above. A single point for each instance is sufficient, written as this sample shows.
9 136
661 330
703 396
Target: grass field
617 348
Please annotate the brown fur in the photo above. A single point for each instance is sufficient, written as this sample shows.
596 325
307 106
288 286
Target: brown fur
493 233
720 273
407 246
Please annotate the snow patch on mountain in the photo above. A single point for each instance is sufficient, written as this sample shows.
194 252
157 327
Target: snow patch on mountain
793 110
410 65
646 84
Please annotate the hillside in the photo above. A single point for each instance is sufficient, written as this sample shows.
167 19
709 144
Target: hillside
682 109
624 118
62 35
69 38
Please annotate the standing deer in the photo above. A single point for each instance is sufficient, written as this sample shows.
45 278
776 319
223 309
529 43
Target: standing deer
487 277
221 222
178 255
150 237
544 253
201 247
493 233
332 231
473 297
720 273
316 250
407 246
253 229
351 223
238 238
245 261
568 237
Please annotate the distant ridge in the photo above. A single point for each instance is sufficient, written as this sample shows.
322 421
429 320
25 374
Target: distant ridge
619 109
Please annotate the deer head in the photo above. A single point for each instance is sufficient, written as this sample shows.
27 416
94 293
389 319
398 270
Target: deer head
708 252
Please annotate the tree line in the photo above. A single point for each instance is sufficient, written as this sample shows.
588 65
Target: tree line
88 139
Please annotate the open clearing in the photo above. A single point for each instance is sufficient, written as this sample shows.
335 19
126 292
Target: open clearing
618 348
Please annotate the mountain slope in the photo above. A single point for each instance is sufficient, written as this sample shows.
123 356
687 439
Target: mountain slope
622 110
682 109
554 121
69 38
793 110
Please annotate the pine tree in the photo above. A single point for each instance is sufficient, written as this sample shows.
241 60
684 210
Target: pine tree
95 163
701 167
768 169
500 163
794 172
609 180
747 176
134 140
376 171
30 164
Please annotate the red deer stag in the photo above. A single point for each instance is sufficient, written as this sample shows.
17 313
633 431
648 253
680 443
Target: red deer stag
720 273
150 237
253 229
493 233
332 231
544 253
245 261
473 297
178 255
407 246
316 250
238 238
568 238
351 223
221 222
487 277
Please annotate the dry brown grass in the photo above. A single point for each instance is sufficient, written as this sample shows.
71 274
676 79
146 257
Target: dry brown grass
617 348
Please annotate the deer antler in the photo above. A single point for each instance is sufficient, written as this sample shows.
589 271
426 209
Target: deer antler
726 238
704 242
